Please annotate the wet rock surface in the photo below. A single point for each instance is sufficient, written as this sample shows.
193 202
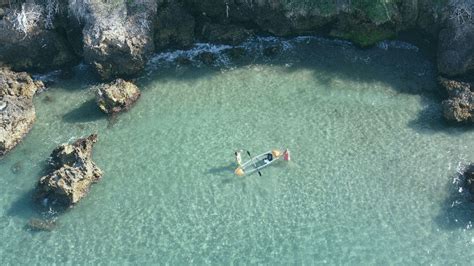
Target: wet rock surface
17 112
72 174
459 107
117 96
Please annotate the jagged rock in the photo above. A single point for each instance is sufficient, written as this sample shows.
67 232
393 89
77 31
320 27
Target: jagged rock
73 172
27 43
456 39
17 112
117 96
459 107
226 34
118 41
37 224
174 27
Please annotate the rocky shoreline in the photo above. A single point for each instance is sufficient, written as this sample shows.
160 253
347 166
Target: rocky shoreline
17 112
117 38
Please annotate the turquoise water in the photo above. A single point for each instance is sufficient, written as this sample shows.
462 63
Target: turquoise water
370 181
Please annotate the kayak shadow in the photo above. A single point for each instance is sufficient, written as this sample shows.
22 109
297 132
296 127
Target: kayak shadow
223 170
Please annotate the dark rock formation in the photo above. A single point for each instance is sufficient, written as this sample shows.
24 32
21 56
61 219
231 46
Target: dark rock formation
272 50
459 107
468 175
116 96
456 40
27 43
207 58
226 34
17 112
73 172
174 27
235 52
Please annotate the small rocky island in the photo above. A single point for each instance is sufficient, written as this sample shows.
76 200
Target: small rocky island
116 96
72 174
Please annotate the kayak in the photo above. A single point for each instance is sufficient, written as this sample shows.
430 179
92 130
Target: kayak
259 162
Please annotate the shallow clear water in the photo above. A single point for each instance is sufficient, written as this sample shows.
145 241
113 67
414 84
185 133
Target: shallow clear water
370 181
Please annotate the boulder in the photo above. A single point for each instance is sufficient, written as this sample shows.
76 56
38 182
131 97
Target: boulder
73 172
119 40
459 107
116 96
456 39
17 112
26 42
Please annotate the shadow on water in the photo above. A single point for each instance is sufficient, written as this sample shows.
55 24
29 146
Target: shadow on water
224 170
87 112
430 119
457 210
405 71
37 216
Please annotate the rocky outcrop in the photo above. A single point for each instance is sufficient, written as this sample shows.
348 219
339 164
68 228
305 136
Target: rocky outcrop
456 40
119 39
459 107
226 34
27 41
17 112
116 96
73 172
174 27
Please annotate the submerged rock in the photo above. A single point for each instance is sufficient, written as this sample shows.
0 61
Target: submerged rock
207 58
468 175
72 175
17 112
37 224
235 52
117 96
272 51
459 107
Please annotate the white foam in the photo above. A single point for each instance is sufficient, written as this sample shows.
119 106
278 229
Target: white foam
393 44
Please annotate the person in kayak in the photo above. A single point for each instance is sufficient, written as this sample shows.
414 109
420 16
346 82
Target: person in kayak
238 157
